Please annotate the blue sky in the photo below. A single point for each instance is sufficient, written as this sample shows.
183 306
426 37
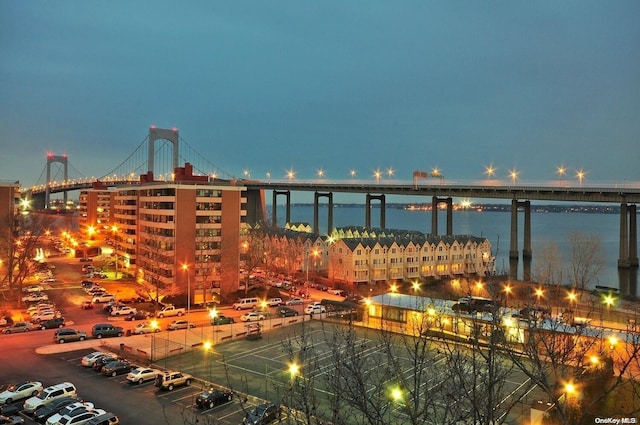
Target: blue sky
333 85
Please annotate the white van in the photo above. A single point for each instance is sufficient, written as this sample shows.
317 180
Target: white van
246 303
46 396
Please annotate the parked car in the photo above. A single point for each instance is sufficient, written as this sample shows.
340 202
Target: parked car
15 392
81 418
86 305
48 395
262 414
295 301
116 368
19 327
69 335
212 398
123 311
69 410
146 328
103 298
142 374
56 322
33 288
35 297
222 320
138 315
101 361
112 305
287 312
171 379
275 302
42 413
252 316
180 324
102 330
48 280
90 359
315 308
11 420
45 315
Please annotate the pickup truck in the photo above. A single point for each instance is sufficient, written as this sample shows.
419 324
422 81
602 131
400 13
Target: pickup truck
169 311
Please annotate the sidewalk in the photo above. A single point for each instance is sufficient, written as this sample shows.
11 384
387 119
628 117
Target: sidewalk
153 347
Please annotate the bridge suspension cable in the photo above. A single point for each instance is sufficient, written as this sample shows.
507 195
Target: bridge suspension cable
203 166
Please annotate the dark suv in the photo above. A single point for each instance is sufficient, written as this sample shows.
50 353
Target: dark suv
102 330
56 322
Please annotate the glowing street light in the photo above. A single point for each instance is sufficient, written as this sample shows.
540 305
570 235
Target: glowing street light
573 297
291 174
390 172
490 171
415 285
539 292
320 173
247 174
580 174
377 174
561 171
294 370
352 173
513 175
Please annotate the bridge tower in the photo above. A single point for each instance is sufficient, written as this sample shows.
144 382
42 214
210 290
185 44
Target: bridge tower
162 134
62 159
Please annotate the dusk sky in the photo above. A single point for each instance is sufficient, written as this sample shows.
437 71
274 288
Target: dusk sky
271 86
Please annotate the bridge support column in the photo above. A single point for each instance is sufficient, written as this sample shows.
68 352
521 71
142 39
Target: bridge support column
526 251
628 255
274 206
383 212
329 196
435 201
64 161
633 235
513 246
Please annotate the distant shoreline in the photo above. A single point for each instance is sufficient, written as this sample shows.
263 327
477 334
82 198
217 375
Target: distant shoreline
551 208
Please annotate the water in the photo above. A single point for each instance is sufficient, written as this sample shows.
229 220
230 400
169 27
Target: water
495 226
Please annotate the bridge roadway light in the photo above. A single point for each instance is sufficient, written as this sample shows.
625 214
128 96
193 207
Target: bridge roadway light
352 173
561 171
377 174
320 173
513 175
580 174
490 171
291 174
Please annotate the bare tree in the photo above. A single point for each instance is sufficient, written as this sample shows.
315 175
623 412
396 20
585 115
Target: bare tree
548 265
587 259
22 234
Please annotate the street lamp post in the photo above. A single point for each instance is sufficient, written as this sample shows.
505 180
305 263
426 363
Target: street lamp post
114 229
185 267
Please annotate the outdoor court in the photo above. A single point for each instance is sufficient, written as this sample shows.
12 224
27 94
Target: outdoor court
262 367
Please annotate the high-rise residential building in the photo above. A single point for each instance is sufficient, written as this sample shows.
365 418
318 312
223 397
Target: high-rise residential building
9 201
175 237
